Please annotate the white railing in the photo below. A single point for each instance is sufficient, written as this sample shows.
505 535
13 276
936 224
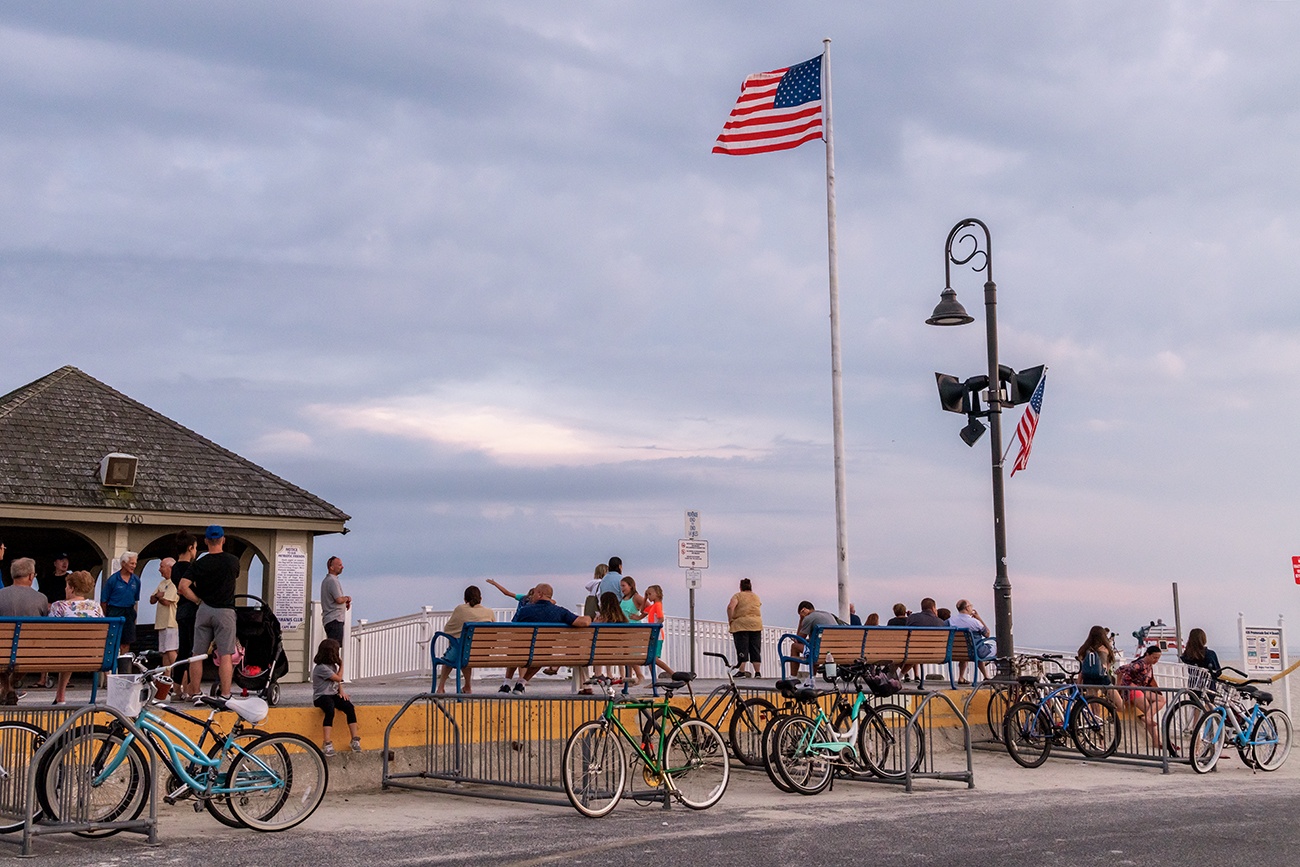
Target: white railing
399 646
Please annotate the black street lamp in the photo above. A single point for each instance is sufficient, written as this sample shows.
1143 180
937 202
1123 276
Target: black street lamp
950 312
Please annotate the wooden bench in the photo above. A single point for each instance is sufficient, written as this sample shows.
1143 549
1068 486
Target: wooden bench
894 645
538 645
59 644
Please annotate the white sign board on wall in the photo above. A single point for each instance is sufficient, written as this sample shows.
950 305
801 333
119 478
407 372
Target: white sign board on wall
290 586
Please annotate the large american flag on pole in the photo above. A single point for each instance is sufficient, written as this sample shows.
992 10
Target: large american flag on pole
777 110
1029 424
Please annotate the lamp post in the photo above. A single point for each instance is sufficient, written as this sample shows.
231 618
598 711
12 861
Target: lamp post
950 312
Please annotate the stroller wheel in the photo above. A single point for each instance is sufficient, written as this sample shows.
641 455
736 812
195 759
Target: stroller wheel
272 694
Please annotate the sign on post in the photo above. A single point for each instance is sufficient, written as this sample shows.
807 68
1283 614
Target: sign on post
694 579
1263 653
1295 568
692 554
693 527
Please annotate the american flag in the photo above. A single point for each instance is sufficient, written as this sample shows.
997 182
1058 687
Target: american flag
776 111
1029 424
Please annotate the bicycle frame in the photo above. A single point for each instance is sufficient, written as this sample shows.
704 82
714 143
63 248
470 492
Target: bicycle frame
839 742
654 762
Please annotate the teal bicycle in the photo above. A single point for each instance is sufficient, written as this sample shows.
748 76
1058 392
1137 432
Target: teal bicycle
858 739
249 778
1262 737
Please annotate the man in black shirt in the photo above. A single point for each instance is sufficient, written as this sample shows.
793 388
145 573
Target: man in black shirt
927 616
210 582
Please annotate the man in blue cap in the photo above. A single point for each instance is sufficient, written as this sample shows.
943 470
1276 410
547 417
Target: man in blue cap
211 582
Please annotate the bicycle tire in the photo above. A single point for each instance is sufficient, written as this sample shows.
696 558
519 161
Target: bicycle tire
1027 734
1180 723
1094 727
595 769
218 806
19 742
1207 742
279 780
769 755
695 760
1270 739
804 770
999 703
746 730
881 742
67 786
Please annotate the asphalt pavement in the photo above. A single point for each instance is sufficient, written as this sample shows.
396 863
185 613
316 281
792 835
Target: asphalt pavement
1067 812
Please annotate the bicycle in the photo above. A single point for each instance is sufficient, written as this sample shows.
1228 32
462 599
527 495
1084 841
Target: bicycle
685 757
1030 729
745 732
857 740
1262 737
267 782
19 742
1032 681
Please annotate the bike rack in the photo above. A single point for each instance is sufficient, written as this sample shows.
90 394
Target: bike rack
80 820
922 713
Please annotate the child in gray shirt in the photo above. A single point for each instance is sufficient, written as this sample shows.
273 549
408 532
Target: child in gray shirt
328 695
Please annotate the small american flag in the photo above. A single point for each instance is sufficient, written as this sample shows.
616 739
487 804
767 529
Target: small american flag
1029 424
777 110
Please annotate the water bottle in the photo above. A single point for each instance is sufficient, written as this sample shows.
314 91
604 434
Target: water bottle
830 668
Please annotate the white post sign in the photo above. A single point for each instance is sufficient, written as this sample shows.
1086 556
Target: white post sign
692 554
694 579
290 586
693 525
1263 653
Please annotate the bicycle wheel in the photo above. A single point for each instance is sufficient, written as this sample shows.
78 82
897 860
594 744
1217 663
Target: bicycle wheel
881 741
219 805
1180 724
695 760
1207 742
595 769
1270 739
277 781
1027 733
769 754
1094 727
999 702
92 775
746 730
802 767
19 741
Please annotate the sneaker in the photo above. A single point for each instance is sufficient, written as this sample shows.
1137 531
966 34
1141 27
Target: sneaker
328 749
519 688
505 687
356 745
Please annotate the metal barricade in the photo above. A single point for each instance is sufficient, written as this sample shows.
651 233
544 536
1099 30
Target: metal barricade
76 783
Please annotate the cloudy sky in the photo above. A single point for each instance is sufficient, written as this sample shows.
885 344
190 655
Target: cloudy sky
470 272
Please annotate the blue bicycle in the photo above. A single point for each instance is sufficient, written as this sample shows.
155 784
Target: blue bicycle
1262 737
1030 729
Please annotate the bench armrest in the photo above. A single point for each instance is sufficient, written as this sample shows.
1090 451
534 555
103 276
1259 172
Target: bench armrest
438 659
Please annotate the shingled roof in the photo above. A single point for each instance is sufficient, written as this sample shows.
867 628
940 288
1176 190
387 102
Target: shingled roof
55 431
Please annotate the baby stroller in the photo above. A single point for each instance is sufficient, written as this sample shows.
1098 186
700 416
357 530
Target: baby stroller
263 664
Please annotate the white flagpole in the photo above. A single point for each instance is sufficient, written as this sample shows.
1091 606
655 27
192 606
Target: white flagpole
837 387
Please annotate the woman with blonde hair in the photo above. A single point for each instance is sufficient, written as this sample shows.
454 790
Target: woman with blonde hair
78 588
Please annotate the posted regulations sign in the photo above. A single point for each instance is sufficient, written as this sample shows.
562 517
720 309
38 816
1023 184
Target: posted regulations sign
692 554
1295 568
1263 649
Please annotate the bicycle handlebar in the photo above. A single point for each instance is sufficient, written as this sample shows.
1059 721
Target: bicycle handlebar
140 661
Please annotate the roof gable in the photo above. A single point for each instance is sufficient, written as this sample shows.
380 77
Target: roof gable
55 431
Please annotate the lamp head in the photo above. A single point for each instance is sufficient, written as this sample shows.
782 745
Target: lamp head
971 433
949 311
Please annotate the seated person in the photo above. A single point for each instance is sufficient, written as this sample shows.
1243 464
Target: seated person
542 609
808 618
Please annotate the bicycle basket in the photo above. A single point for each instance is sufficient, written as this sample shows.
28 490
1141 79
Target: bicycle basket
127 693
1199 679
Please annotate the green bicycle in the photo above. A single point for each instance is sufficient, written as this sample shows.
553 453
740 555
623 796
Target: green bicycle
683 757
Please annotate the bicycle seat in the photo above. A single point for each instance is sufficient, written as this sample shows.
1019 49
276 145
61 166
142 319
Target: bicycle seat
806 695
1027 679
684 676
671 686
251 709
787 687
1263 697
1057 677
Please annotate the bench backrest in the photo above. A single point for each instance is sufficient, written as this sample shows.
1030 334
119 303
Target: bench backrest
494 645
900 645
39 644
